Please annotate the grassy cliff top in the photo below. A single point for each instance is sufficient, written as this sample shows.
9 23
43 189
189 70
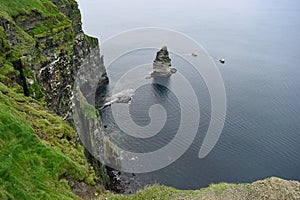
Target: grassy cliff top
38 9
270 188
21 7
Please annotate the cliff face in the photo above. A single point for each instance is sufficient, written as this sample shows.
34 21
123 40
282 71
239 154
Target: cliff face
42 46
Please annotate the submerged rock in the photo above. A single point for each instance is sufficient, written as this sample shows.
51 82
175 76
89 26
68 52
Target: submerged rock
162 64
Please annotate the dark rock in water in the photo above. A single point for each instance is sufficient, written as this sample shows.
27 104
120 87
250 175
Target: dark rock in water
163 56
162 64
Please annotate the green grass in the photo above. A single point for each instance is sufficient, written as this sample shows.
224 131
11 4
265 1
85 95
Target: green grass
45 7
270 188
53 20
36 149
92 42
25 41
29 169
165 193
4 44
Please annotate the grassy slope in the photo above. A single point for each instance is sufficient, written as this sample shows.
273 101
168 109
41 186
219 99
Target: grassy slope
45 7
271 188
31 167
38 150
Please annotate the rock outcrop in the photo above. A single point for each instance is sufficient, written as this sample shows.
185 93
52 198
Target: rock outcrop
162 64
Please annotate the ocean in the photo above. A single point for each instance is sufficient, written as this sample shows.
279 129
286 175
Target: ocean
260 42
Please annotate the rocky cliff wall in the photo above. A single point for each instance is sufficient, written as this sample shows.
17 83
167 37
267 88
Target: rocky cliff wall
42 46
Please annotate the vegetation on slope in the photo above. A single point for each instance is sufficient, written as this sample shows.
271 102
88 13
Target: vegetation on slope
46 159
271 188
43 9
38 150
29 169
31 31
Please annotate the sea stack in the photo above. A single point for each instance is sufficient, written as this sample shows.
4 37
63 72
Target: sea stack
162 64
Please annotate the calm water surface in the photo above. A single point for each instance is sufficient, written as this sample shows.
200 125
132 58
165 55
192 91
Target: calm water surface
261 43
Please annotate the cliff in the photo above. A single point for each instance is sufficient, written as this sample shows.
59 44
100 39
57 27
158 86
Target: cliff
42 47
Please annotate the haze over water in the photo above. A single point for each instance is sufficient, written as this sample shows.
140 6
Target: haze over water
260 41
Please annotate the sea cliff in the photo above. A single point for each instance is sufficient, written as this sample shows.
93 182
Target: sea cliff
42 47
